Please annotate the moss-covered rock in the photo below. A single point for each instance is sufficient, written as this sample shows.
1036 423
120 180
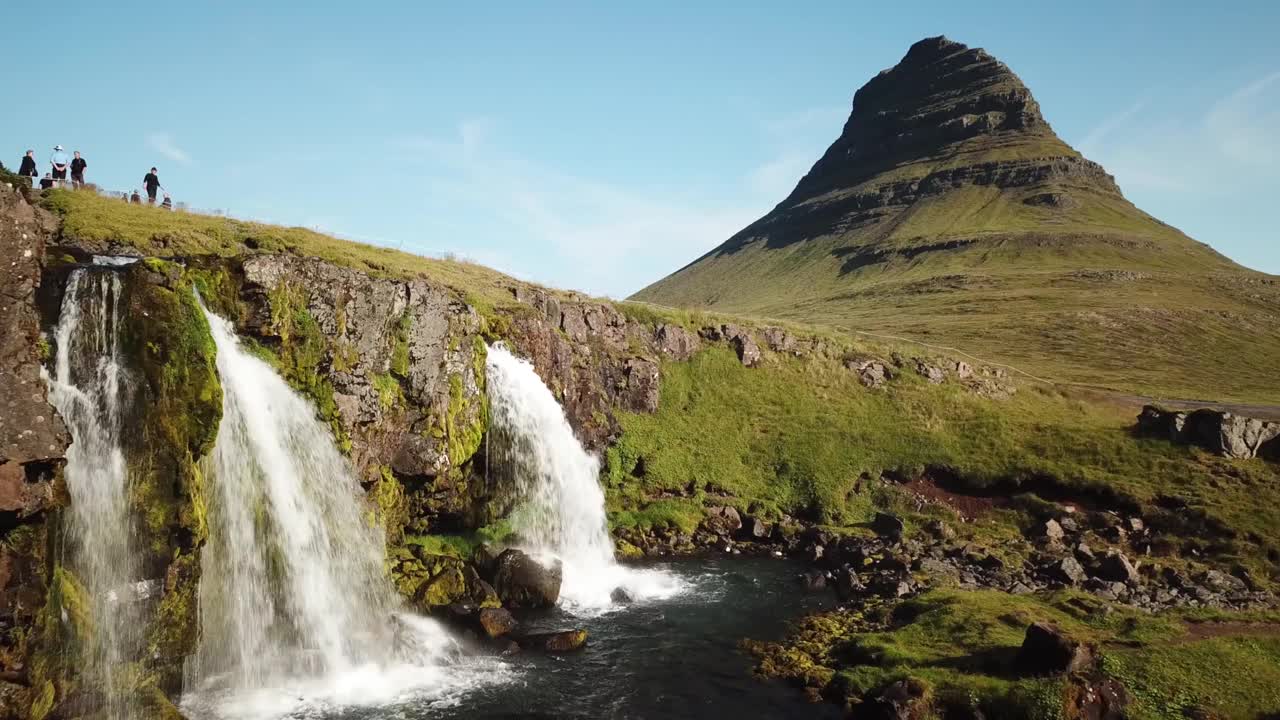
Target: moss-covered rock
171 410
175 629
178 406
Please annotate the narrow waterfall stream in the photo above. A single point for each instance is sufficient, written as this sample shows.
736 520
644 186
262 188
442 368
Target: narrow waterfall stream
88 389
296 612
563 512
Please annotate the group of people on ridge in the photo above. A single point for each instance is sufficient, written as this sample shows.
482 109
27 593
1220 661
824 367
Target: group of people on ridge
60 164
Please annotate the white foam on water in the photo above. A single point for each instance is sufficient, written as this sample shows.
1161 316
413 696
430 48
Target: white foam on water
562 516
443 677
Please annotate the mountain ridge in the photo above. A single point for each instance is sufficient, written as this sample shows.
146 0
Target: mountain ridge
949 210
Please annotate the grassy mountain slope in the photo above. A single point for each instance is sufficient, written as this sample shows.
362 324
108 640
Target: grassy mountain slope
949 212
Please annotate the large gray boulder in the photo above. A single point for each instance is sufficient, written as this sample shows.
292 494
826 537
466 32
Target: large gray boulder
1218 431
675 342
523 582
1115 566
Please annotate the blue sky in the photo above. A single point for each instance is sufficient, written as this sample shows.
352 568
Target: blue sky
599 146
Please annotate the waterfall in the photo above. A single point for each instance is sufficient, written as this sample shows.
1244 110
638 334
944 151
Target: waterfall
89 390
562 515
295 606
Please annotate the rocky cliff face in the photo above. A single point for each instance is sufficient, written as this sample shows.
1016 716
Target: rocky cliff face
32 442
32 436
594 358
405 360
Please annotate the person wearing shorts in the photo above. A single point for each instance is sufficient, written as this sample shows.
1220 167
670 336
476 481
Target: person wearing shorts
59 161
77 170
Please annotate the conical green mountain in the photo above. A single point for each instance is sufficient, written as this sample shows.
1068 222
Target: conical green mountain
948 211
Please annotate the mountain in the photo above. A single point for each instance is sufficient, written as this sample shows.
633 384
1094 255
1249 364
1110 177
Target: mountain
948 211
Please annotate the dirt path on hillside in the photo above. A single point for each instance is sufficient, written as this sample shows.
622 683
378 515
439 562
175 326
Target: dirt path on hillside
1261 411
1230 628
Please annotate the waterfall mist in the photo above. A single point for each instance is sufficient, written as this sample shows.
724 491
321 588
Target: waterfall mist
296 610
563 507
89 389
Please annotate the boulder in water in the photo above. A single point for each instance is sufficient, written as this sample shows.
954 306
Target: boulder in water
496 622
554 642
814 581
524 582
621 596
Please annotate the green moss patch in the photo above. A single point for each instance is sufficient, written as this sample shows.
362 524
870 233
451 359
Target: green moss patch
964 645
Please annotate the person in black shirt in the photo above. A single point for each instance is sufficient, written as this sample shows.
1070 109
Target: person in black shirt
28 167
77 171
152 182
46 182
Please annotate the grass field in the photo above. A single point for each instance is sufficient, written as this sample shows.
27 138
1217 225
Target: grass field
961 647
802 436
1100 294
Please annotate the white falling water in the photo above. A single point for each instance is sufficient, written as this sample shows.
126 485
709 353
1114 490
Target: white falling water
563 512
88 391
296 612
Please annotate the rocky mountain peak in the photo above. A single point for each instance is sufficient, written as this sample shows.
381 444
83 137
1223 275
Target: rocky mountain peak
942 99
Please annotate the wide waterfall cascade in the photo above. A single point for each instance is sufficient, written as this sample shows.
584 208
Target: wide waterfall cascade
563 506
296 611
89 389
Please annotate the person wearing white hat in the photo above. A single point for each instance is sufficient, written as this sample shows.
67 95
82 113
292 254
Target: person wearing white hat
59 162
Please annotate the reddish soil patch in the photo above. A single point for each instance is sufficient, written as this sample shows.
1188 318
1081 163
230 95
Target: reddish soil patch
968 506
1209 630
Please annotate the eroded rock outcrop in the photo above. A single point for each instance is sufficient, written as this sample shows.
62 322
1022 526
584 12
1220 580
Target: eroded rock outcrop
32 436
1217 431
405 360
33 441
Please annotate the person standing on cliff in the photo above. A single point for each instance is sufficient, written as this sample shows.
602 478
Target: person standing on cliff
28 167
59 161
152 183
77 170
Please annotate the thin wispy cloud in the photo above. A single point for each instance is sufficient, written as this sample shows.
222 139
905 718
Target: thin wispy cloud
1238 136
1109 125
592 234
1243 126
164 144
778 177
825 120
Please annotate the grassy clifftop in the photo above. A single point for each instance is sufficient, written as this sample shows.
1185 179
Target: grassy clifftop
93 221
